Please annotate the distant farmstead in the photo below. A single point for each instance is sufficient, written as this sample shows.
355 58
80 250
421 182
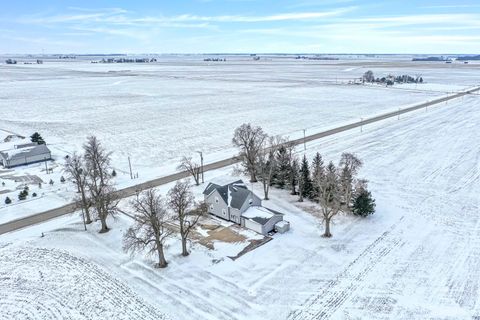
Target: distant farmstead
24 154
234 202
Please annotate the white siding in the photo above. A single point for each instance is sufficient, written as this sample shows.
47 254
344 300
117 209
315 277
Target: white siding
250 224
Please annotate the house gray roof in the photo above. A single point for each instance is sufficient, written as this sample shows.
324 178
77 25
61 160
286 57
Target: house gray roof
233 194
29 151
260 215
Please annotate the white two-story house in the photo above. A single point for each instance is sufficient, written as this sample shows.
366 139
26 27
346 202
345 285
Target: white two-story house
233 201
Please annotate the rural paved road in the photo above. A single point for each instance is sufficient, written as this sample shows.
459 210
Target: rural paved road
130 191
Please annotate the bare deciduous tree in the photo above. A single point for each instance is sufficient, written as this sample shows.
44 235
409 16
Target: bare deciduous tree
152 226
75 169
193 168
349 166
99 183
329 196
266 163
250 140
187 212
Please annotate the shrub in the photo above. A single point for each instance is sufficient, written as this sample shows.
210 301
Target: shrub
363 204
22 195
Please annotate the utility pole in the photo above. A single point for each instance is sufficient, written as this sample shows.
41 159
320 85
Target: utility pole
46 166
304 142
399 113
361 124
130 165
201 164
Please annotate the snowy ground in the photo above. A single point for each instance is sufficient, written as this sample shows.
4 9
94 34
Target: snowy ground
156 113
416 258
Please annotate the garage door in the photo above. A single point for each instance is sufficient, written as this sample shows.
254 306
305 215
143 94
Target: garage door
250 224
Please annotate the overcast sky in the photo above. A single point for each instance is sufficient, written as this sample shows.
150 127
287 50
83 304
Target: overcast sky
240 26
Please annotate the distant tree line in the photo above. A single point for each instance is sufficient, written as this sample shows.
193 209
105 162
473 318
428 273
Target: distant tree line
390 80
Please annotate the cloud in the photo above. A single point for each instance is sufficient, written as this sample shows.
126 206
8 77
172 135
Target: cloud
120 16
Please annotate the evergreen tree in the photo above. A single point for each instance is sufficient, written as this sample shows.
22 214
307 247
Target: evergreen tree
8 200
293 176
114 173
34 194
363 204
51 182
62 179
318 174
36 137
282 174
22 195
307 186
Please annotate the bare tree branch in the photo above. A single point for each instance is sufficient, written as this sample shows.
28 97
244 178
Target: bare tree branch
151 228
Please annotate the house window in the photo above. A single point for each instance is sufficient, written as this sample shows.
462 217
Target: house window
224 212
216 199
250 201
211 207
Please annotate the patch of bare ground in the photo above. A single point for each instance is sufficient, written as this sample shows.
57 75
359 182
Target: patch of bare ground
220 233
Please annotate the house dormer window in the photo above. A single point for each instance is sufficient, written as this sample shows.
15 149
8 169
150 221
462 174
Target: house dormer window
250 201
216 199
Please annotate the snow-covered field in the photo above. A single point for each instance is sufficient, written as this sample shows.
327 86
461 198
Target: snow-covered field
416 258
156 113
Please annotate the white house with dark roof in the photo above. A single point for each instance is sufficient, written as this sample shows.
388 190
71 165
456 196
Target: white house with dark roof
232 201
24 154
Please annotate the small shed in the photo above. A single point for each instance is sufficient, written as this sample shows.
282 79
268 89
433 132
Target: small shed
282 226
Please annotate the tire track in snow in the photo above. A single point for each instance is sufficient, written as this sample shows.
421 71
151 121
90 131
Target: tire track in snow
39 283
325 303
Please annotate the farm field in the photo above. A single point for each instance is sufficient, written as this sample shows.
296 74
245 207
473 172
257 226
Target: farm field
417 257
156 113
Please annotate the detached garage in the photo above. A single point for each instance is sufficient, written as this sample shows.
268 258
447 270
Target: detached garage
24 154
261 219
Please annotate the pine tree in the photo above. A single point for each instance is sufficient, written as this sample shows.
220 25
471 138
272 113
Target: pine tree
62 179
307 186
22 195
51 182
34 194
114 173
8 200
293 176
36 137
282 174
318 174
363 204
